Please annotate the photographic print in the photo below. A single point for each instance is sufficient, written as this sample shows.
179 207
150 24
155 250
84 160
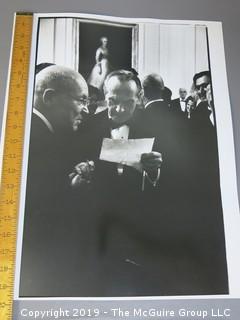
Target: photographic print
125 171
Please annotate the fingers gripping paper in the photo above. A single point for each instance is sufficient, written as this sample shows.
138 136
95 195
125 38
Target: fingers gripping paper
126 152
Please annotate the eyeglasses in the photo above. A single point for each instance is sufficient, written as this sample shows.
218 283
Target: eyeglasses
84 102
202 86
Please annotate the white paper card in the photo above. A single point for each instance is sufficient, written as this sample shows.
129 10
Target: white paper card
126 152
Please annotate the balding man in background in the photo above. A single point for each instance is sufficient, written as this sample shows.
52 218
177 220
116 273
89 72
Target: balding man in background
153 88
60 105
157 111
178 105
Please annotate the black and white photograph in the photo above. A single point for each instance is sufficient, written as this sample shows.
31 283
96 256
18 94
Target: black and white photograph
123 185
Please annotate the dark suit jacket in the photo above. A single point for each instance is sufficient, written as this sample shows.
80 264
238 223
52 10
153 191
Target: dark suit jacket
203 136
51 224
161 241
176 105
114 239
176 109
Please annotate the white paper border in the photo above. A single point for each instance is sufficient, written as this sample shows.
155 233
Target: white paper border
228 180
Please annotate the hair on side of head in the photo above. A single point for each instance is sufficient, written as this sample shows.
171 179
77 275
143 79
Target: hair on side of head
201 74
153 86
39 67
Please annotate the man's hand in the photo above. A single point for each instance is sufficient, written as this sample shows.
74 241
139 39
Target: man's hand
151 161
82 174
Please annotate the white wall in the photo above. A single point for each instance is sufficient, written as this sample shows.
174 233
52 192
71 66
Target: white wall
58 42
176 52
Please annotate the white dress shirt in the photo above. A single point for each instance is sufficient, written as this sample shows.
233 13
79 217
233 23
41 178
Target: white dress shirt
120 133
183 105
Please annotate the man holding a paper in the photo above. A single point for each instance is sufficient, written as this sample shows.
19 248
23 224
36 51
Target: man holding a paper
134 189
119 137
122 93
152 236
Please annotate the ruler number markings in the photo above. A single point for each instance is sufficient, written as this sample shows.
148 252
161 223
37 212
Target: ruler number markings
12 160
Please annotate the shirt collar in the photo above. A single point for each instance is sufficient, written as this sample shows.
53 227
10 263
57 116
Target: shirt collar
150 102
120 133
44 119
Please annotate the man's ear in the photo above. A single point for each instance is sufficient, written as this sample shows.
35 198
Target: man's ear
48 96
140 96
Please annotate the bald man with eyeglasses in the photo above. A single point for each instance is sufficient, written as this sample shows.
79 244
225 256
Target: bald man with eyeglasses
59 109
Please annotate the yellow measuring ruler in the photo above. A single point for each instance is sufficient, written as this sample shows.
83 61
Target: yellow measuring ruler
12 159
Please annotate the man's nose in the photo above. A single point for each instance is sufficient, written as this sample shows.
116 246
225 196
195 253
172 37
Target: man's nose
201 91
85 109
